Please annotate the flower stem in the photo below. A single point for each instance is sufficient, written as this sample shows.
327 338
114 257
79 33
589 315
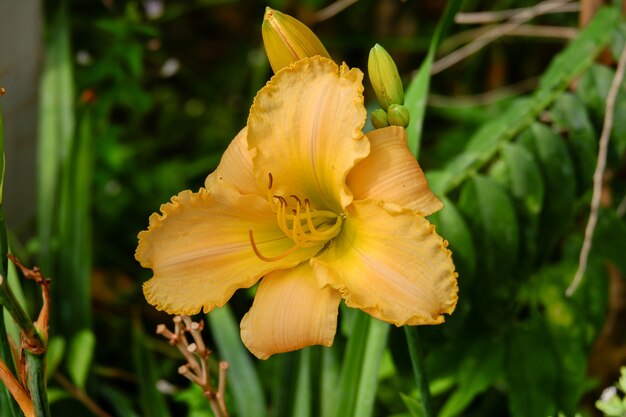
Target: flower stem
37 383
419 370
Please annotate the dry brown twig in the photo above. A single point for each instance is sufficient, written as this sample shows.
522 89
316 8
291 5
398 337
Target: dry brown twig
520 17
609 114
333 9
500 15
197 368
528 31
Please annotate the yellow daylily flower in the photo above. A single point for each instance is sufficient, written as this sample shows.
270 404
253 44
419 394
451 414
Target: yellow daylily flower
319 211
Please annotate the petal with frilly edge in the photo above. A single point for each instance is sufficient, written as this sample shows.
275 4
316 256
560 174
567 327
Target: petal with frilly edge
391 265
305 130
235 167
290 311
200 252
391 174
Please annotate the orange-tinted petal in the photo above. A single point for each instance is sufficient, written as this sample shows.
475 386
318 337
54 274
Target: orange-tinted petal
200 252
391 174
290 311
235 167
305 127
390 265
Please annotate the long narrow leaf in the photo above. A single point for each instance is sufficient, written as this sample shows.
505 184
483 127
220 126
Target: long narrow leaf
10 406
243 380
302 406
417 91
359 373
74 269
56 128
150 399
375 347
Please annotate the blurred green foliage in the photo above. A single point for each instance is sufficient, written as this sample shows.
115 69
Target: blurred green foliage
139 100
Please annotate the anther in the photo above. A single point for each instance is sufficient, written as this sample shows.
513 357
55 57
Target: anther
271 181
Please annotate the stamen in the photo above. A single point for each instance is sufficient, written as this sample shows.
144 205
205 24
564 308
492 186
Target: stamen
266 258
271 181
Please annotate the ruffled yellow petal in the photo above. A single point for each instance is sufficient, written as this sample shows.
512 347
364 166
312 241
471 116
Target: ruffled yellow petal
391 174
305 127
290 311
235 167
390 265
200 252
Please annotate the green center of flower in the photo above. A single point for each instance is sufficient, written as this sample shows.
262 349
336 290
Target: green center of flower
305 226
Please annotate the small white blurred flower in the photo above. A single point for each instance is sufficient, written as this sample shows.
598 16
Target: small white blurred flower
83 58
170 67
154 9
608 393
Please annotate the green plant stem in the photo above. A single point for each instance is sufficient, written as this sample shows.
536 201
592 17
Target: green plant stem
419 371
7 357
8 300
37 383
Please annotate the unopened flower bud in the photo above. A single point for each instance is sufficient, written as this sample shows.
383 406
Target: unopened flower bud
288 40
384 77
379 119
398 115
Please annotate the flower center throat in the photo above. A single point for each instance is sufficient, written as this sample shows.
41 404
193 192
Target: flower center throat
306 227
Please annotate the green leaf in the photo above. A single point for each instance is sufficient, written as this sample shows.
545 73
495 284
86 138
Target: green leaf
526 187
570 117
570 63
374 350
413 405
593 90
303 404
559 180
74 223
119 401
328 380
80 355
243 380
490 212
530 370
609 241
526 181
417 91
150 399
452 227
55 352
359 373
56 129
10 407
479 369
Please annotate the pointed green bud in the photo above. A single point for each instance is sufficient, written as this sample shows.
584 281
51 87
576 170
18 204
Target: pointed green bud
398 115
379 119
288 40
384 77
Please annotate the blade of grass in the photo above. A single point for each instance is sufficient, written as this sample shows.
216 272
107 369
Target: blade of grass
302 405
243 379
12 408
374 349
419 371
151 400
328 381
56 128
72 283
359 373
417 91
